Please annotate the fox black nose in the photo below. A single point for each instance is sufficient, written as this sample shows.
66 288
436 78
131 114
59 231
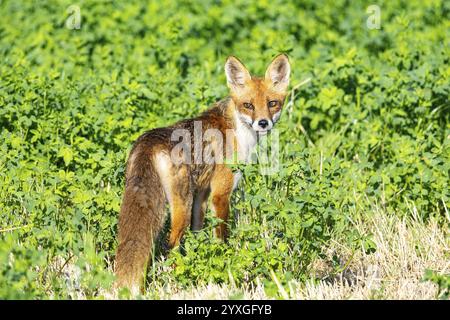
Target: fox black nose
263 123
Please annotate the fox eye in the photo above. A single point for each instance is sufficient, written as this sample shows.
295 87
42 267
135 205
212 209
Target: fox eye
248 106
272 103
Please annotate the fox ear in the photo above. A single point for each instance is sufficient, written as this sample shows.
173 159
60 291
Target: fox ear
237 74
278 72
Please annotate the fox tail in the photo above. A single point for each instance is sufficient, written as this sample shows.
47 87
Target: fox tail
141 219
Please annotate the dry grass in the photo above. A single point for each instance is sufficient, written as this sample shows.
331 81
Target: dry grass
405 248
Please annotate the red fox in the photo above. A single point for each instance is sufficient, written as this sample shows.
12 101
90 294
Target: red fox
153 177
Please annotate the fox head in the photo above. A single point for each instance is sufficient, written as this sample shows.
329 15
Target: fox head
258 101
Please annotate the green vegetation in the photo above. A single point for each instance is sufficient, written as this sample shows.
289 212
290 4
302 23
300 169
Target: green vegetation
370 128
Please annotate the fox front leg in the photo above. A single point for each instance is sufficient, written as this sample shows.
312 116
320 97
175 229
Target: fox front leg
222 184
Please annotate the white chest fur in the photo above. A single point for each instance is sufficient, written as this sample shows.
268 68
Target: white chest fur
246 139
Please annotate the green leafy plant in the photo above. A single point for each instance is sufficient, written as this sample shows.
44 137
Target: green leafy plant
370 126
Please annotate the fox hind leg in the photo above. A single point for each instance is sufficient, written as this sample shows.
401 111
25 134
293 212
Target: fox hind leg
180 201
180 219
